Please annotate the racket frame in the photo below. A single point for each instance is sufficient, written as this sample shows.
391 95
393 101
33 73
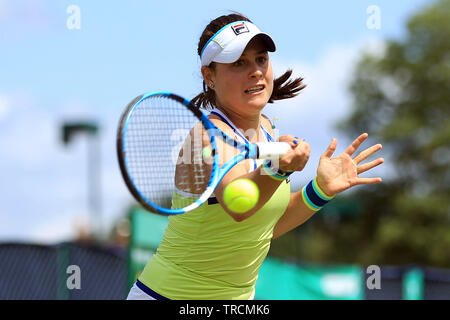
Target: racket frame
249 151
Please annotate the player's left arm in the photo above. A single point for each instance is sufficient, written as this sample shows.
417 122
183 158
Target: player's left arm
334 175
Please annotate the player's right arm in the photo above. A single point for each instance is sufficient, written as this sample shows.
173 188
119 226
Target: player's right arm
294 160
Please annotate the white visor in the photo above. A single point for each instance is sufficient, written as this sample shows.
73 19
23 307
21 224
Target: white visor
227 45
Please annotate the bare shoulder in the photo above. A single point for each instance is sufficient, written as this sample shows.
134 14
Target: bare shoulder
222 125
267 124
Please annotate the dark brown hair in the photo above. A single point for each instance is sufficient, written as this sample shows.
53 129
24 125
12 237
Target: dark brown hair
283 87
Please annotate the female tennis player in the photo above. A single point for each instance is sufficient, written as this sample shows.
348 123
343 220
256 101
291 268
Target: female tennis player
212 252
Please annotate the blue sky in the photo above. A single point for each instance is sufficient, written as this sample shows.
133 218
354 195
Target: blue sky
49 74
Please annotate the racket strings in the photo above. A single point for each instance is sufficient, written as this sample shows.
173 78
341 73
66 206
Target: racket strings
164 152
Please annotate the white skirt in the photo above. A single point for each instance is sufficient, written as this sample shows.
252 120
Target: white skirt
137 294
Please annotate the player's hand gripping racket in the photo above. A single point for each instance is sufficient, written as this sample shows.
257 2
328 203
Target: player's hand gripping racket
168 153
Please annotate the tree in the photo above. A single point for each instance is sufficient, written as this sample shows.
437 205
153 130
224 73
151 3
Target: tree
402 99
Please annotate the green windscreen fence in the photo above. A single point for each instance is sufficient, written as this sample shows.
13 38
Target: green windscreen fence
147 230
277 279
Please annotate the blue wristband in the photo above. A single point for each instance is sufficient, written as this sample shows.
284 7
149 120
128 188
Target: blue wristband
313 197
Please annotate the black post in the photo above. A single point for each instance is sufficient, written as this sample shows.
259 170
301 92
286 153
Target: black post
93 172
94 183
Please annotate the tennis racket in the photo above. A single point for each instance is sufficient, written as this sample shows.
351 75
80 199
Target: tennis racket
168 155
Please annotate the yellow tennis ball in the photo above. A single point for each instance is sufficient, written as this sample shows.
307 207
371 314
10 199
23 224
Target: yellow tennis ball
241 195
206 152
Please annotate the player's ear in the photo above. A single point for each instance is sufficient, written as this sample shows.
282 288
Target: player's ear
208 75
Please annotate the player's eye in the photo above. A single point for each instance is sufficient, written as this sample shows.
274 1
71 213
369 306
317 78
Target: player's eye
261 60
238 63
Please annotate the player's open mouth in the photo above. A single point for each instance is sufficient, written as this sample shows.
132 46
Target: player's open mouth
255 89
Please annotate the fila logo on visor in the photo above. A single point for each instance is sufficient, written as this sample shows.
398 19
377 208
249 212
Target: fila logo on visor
239 28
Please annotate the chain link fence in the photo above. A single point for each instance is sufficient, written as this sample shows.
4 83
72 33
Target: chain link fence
67 271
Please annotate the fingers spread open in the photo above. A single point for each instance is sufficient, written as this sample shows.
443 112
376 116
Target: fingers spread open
368 180
355 144
367 153
367 166
331 148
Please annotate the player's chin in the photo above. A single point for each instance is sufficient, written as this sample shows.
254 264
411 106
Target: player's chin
257 102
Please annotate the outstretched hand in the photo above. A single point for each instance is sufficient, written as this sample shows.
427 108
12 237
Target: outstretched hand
340 173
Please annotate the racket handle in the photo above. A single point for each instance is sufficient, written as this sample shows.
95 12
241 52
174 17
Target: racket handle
272 150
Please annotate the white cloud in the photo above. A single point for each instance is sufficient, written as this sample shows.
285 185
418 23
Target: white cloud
374 47
60 228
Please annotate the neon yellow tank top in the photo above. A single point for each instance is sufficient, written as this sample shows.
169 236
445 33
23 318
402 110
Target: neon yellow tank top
205 254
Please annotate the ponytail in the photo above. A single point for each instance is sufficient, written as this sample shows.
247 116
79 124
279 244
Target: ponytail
284 88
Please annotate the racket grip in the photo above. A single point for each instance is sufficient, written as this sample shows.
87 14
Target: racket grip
272 150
